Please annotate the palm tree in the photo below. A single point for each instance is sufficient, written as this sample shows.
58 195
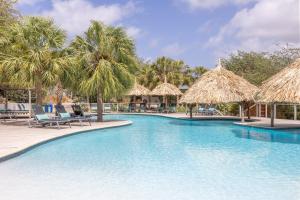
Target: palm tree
35 58
106 62
150 75
8 14
147 76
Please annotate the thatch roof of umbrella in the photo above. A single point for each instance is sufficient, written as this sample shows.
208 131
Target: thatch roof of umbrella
138 90
166 89
283 87
219 86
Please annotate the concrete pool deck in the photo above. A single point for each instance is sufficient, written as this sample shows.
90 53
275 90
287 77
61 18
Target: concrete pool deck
16 137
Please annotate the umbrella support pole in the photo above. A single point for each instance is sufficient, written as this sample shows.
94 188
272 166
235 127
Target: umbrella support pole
191 111
242 112
272 114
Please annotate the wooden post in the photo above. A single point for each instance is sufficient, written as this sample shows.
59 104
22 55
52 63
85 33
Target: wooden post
275 111
30 104
149 102
266 115
256 110
186 109
259 110
248 107
166 103
242 112
295 112
272 114
191 111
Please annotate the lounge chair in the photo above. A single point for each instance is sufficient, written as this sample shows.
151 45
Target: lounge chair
202 111
64 115
172 108
211 111
143 107
107 108
162 108
41 118
78 112
5 114
132 107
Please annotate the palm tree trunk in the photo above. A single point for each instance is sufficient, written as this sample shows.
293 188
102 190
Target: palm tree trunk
99 107
39 90
59 93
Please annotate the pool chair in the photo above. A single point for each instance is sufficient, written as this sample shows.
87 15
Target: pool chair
41 118
202 111
78 112
132 107
211 111
107 108
64 115
162 108
142 107
5 114
172 108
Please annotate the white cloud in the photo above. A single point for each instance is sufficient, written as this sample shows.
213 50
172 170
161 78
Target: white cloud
261 27
133 32
208 4
75 16
173 49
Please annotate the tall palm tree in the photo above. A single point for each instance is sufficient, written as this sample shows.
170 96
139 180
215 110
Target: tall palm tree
152 74
35 58
106 62
147 76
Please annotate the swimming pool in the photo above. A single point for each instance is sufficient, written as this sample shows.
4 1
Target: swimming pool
159 159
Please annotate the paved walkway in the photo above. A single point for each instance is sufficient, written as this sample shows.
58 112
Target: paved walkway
266 123
16 137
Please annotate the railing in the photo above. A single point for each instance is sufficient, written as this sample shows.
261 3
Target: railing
283 111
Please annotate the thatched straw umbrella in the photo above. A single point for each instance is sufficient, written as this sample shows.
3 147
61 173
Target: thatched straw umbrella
219 86
138 90
166 89
283 87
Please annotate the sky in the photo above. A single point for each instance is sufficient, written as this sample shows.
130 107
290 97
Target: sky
196 31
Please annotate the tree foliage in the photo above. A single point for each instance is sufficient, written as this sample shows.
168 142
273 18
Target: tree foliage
106 61
8 14
175 71
258 67
35 58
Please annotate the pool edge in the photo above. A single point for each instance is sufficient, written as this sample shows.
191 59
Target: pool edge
29 148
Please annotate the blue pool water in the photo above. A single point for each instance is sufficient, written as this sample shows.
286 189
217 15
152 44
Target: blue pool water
159 159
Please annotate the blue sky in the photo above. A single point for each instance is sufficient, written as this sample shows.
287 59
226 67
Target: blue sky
196 31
